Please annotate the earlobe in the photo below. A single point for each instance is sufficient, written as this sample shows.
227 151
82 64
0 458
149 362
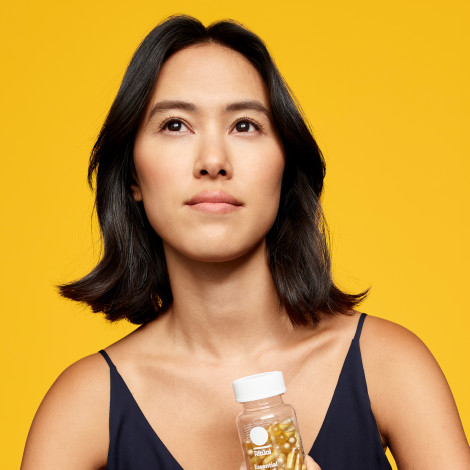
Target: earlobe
136 192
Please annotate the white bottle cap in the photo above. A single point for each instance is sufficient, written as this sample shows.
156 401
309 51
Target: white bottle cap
259 386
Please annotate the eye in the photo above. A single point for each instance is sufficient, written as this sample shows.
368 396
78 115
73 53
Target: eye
173 125
246 125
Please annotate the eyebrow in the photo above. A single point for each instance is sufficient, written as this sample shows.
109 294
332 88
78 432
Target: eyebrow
190 107
171 104
249 104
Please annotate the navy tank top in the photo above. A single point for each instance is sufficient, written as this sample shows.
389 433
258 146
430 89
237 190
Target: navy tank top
348 438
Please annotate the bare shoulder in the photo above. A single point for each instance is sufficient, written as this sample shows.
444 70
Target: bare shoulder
411 400
384 340
87 376
70 429
397 360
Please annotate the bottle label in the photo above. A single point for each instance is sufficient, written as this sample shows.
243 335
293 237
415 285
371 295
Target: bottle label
274 444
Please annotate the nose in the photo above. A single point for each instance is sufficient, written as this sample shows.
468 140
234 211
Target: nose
212 159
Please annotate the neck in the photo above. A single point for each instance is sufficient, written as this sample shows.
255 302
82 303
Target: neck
226 310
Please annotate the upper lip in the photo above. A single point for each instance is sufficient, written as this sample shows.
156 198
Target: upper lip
213 197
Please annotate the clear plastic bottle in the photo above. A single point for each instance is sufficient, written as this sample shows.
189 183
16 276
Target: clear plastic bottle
267 427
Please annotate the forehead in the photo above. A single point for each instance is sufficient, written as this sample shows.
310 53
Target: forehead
209 74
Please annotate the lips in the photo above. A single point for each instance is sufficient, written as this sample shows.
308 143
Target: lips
214 201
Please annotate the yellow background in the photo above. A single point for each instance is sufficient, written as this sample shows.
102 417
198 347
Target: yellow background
385 86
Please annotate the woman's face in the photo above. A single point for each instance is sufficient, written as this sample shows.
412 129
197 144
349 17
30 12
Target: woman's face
208 161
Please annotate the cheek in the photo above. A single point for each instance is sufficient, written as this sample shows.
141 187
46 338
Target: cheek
270 172
151 170
156 179
265 180
273 180
157 170
275 173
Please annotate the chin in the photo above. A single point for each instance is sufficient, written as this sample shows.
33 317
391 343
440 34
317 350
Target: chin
212 253
224 256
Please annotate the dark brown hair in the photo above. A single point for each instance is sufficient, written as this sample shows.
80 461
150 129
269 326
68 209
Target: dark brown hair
131 280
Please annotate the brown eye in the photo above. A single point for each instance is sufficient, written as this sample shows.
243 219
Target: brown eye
245 126
174 126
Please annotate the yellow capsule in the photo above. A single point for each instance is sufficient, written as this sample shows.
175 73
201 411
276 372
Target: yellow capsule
281 459
248 446
271 435
270 458
297 463
281 438
292 440
286 447
290 460
250 452
287 423
276 430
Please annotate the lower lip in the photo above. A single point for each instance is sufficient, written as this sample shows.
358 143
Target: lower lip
214 207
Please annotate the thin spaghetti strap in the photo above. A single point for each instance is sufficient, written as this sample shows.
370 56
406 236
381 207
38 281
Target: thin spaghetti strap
359 327
108 359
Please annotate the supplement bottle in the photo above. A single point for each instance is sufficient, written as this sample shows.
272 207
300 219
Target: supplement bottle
267 427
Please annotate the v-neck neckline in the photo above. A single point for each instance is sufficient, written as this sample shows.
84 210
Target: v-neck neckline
335 392
172 457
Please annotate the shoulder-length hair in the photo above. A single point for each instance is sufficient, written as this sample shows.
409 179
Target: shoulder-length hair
131 281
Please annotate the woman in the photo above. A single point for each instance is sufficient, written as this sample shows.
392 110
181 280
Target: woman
207 192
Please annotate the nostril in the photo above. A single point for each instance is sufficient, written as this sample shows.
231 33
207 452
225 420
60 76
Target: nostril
203 172
223 172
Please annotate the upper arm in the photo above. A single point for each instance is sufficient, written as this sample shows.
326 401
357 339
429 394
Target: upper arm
70 429
411 400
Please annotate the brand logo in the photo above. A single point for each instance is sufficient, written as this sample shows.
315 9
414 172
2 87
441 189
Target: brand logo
259 436
260 453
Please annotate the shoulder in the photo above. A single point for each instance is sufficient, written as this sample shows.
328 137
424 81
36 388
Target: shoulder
397 362
396 359
409 395
384 340
86 382
70 428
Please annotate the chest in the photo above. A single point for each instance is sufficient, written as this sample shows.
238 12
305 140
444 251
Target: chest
195 419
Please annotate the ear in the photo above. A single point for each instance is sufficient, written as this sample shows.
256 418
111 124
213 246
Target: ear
136 192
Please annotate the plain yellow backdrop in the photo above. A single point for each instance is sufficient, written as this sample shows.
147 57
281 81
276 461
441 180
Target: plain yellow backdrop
385 86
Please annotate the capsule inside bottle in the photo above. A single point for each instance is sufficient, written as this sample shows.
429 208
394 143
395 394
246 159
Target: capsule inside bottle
283 448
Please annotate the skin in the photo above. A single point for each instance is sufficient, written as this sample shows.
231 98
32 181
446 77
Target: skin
225 321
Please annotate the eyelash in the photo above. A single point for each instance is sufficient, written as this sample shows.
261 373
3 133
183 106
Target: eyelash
251 121
163 125
170 119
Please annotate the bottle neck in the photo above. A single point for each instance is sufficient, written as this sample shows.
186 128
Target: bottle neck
263 403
